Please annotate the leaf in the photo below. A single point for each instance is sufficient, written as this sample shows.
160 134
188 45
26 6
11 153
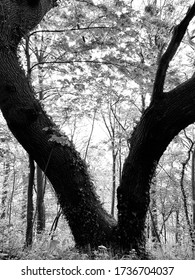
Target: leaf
62 140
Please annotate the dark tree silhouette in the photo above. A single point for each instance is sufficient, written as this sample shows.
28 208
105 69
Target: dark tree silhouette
167 114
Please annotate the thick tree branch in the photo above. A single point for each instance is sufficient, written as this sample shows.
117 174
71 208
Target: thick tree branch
177 37
159 124
18 17
55 155
53 152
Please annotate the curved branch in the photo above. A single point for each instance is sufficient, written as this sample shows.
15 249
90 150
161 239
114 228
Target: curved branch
160 123
36 132
55 154
69 29
177 37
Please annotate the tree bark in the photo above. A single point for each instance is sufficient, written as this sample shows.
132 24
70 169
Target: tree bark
159 124
40 177
30 207
113 179
193 204
61 163
154 217
40 201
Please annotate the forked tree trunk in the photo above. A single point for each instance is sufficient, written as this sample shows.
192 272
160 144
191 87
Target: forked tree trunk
57 157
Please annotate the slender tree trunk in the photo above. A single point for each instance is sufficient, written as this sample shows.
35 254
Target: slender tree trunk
30 208
193 204
183 191
40 201
120 160
11 198
6 168
90 136
113 180
111 128
165 232
154 218
24 198
177 232
40 207
40 175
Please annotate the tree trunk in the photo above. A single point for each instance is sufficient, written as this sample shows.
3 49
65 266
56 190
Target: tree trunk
30 208
113 179
193 204
24 198
40 201
177 228
40 184
62 164
154 217
6 167
52 151
159 124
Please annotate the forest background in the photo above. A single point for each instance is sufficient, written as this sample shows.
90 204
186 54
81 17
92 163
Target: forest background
92 65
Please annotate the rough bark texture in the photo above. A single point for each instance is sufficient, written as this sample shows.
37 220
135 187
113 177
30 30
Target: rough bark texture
61 163
167 114
165 117
158 126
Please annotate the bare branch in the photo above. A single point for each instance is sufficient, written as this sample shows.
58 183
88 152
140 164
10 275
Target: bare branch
90 136
70 29
177 37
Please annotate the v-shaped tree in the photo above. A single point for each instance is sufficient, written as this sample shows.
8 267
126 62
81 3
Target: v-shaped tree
167 114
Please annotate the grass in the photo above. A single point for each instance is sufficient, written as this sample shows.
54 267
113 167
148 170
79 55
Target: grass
61 247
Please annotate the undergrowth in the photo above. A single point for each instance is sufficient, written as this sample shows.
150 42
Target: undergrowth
61 247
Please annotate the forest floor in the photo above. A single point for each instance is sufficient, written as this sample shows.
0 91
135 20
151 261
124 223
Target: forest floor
54 252
61 246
